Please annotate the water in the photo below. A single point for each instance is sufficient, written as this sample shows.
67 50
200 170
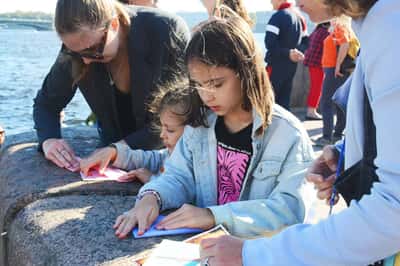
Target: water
25 58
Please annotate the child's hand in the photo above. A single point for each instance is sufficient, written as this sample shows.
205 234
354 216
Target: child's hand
142 174
296 56
143 215
100 158
188 216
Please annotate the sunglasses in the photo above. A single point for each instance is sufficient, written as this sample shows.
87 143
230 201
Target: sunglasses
93 52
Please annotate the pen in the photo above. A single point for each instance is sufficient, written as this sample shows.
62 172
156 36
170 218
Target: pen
339 166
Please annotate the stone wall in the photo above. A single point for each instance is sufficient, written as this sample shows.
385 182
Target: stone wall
50 217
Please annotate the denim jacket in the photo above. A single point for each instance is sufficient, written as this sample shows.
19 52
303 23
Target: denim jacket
270 196
129 159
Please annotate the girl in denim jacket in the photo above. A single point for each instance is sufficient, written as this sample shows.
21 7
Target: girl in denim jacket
171 106
245 169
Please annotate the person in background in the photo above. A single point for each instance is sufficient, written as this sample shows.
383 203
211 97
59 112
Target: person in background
238 6
172 108
106 54
368 230
312 59
2 136
151 3
335 49
245 170
286 33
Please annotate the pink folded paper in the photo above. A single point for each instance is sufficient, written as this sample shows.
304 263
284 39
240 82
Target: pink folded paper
110 174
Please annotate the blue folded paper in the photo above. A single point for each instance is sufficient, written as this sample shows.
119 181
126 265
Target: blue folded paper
155 232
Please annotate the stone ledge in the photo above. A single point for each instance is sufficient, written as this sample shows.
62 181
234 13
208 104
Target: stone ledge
26 176
73 230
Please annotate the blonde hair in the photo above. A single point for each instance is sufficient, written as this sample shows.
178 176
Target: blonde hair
239 7
72 15
229 42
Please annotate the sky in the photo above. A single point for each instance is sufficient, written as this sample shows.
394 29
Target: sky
170 5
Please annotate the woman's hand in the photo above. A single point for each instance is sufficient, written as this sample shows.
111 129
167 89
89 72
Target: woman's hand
188 216
322 172
143 215
142 174
225 250
100 158
59 152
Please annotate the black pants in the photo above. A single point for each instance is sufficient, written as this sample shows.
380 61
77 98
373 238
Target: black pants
282 79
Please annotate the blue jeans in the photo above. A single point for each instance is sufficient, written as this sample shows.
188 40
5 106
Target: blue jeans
327 106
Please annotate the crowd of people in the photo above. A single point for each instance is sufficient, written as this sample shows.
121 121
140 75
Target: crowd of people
204 122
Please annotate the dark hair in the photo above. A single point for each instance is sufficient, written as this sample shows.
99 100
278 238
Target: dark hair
239 7
351 8
177 97
229 42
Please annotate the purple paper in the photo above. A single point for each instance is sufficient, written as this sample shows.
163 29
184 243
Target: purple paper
155 232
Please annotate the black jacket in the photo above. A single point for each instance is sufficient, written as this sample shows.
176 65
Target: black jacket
156 44
285 31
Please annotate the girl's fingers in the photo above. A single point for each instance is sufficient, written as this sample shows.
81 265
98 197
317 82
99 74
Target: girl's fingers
118 221
143 223
170 217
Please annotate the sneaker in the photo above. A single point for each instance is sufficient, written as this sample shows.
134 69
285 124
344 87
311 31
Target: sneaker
313 116
321 142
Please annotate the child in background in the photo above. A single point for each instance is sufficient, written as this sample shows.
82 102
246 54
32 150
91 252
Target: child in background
336 47
312 59
285 40
245 169
171 105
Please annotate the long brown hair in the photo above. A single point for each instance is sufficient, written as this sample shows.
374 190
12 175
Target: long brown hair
71 16
351 8
228 42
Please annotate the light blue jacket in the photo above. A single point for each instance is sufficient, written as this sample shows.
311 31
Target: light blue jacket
129 159
270 195
368 230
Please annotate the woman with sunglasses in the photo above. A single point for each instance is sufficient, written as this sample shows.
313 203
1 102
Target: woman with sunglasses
116 55
368 230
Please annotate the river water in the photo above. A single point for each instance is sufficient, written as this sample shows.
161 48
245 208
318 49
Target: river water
25 58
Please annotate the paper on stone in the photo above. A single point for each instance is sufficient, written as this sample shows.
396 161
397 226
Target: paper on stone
174 253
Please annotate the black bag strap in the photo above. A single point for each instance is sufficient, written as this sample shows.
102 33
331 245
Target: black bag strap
358 179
